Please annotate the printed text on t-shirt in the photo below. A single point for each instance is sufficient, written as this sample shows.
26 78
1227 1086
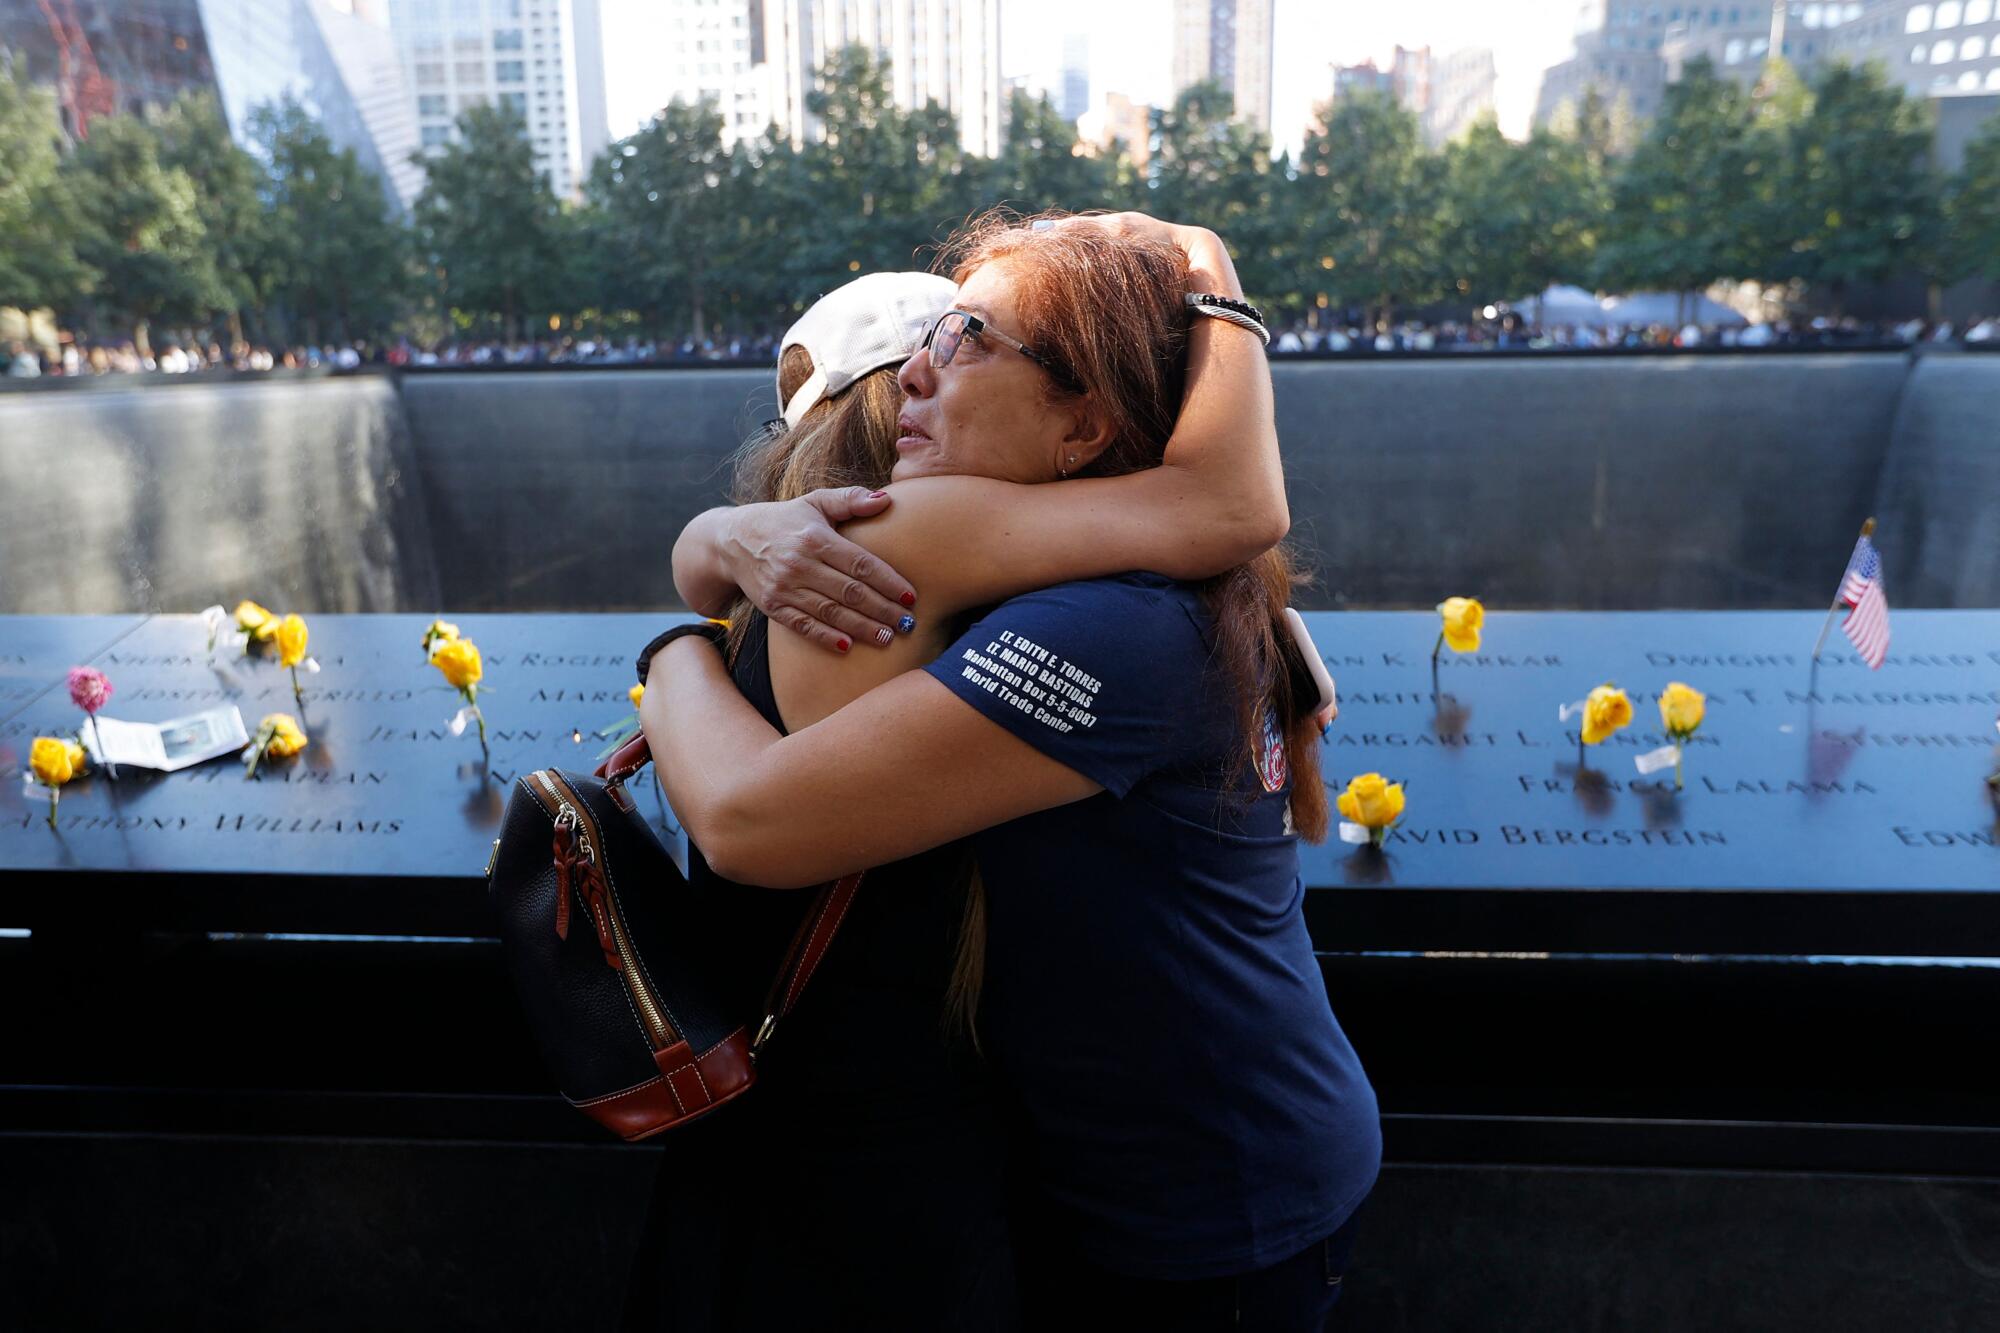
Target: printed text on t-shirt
1029 678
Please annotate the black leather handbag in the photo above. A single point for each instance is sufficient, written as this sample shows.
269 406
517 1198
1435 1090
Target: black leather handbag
644 1022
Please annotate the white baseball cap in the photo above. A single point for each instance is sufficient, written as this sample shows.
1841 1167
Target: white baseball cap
877 320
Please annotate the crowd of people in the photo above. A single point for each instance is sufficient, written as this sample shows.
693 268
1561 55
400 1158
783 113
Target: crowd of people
1513 332
20 360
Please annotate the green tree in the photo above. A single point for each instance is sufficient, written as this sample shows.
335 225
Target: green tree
1204 161
1211 170
1859 199
194 139
659 200
337 259
1488 215
766 184
1606 126
1972 208
1685 205
880 188
486 224
38 260
1372 207
138 224
1520 217
1041 165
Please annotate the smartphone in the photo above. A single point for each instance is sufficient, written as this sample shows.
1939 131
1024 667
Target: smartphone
1322 678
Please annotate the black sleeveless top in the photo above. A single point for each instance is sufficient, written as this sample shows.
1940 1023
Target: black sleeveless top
869 1029
860 1183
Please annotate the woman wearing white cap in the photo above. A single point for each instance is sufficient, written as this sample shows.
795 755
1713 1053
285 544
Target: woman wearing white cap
1217 498
1129 755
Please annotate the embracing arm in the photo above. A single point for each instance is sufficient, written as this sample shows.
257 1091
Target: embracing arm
1217 500
701 567
904 768
788 550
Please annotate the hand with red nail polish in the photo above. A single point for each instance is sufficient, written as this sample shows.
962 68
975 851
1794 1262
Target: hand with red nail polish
789 560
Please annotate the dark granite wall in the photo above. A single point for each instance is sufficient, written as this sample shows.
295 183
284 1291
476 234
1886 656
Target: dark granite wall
564 492
207 1231
1940 495
1595 483
303 495
1728 482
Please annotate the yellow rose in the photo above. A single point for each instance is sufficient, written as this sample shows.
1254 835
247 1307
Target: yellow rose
55 760
1462 618
438 631
291 633
1605 711
1681 708
458 659
1372 802
287 738
637 692
256 619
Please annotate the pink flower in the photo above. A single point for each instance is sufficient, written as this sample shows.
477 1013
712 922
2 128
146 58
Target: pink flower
88 688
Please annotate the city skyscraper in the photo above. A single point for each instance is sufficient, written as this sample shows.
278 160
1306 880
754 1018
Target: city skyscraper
520 54
708 50
947 51
592 110
1228 41
1446 95
1948 49
335 57
1461 88
1618 54
1629 51
1075 90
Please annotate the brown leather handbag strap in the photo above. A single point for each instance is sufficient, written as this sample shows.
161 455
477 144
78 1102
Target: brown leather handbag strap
815 934
626 760
814 938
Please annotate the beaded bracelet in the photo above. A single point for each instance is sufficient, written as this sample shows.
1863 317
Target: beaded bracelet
1206 300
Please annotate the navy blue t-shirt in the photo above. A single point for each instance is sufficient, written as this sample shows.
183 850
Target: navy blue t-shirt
1193 1109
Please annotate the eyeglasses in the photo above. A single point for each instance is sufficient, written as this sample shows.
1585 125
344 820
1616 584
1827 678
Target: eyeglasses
954 326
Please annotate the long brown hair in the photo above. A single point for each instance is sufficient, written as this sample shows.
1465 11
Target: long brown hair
1110 310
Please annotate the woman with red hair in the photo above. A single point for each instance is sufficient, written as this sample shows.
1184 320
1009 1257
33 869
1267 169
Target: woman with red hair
1132 758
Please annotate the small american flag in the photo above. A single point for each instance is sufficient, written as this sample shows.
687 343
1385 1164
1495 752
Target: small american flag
1867 622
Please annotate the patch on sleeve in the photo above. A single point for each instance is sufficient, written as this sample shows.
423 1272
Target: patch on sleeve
1273 769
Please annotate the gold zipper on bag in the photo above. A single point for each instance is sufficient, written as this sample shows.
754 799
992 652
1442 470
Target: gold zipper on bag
572 813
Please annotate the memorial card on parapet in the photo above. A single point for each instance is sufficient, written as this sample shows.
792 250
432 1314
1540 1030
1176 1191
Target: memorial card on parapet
167 746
